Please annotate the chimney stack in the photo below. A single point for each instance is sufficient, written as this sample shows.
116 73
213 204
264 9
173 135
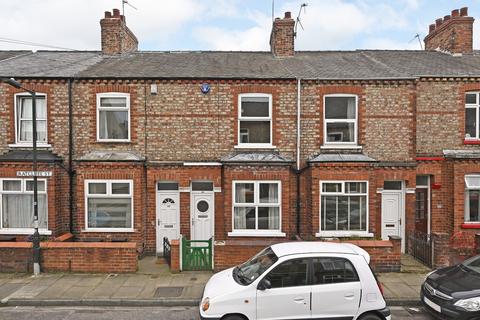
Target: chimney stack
117 38
453 33
282 38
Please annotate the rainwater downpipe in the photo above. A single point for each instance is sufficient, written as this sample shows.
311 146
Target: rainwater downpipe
298 171
71 172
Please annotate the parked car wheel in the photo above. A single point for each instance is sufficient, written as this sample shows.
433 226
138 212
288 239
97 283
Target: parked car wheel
234 317
371 316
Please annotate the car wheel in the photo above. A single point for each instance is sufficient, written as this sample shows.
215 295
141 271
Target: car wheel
371 316
234 317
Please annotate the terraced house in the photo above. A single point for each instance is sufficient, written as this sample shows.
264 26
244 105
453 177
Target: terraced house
249 148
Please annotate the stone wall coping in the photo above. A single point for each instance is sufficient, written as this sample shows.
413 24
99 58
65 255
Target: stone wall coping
360 243
61 245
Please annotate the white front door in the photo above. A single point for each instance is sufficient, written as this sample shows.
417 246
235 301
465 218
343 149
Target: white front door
203 213
168 217
392 214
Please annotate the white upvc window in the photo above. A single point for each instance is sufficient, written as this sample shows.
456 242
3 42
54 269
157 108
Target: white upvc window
340 118
343 208
472 115
24 122
109 205
254 120
16 209
113 117
472 198
257 209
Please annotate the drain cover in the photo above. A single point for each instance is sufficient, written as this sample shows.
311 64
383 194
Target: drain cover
168 292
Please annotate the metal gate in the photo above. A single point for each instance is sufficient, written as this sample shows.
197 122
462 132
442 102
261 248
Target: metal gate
196 255
421 247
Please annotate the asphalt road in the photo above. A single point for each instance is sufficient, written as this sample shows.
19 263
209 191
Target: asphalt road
146 313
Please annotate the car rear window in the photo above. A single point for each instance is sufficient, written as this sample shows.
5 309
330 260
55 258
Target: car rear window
333 270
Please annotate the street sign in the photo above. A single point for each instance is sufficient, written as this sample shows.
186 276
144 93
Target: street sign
34 173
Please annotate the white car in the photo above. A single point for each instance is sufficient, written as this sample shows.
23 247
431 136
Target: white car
297 280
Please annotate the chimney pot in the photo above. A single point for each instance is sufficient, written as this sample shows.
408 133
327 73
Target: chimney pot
431 28
446 18
438 22
108 14
288 15
455 13
116 13
464 12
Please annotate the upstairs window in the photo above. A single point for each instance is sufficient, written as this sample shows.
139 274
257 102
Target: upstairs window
472 116
340 120
255 120
24 122
113 117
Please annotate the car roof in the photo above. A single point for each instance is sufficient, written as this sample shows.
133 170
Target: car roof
300 247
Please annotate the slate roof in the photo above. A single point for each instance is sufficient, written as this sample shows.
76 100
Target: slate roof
9 54
328 65
338 157
111 156
27 156
256 157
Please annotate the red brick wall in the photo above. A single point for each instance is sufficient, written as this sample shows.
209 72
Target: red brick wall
384 255
70 257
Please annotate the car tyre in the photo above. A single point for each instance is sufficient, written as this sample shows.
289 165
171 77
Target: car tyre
370 316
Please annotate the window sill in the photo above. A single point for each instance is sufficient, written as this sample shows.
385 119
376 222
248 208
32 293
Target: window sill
108 230
254 146
470 225
343 234
256 234
25 231
340 146
471 141
29 145
114 141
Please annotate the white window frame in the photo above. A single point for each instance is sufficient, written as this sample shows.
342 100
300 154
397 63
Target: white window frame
344 233
23 190
476 107
108 195
18 142
337 144
126 108
467 198
256 203
240 119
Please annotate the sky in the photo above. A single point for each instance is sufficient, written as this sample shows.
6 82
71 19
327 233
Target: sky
228 25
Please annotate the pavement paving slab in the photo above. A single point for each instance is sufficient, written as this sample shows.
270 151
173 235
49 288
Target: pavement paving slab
76 292
127 292
7 289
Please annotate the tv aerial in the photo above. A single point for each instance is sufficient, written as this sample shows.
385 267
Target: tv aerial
125 2
298 22
417 36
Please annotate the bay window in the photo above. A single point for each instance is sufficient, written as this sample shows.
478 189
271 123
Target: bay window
113 117
257 207
24 122
472 198
16 211
255 120
343 208
109 205
340 120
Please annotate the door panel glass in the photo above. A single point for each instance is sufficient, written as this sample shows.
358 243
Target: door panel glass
392 185
290 273
333 270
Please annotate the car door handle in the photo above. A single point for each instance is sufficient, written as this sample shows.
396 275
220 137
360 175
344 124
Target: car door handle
300 300
349 295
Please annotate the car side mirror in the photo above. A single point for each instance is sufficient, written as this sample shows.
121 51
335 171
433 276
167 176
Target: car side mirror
264 284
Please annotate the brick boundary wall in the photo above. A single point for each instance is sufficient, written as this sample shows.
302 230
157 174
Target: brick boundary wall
102 257
384 254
